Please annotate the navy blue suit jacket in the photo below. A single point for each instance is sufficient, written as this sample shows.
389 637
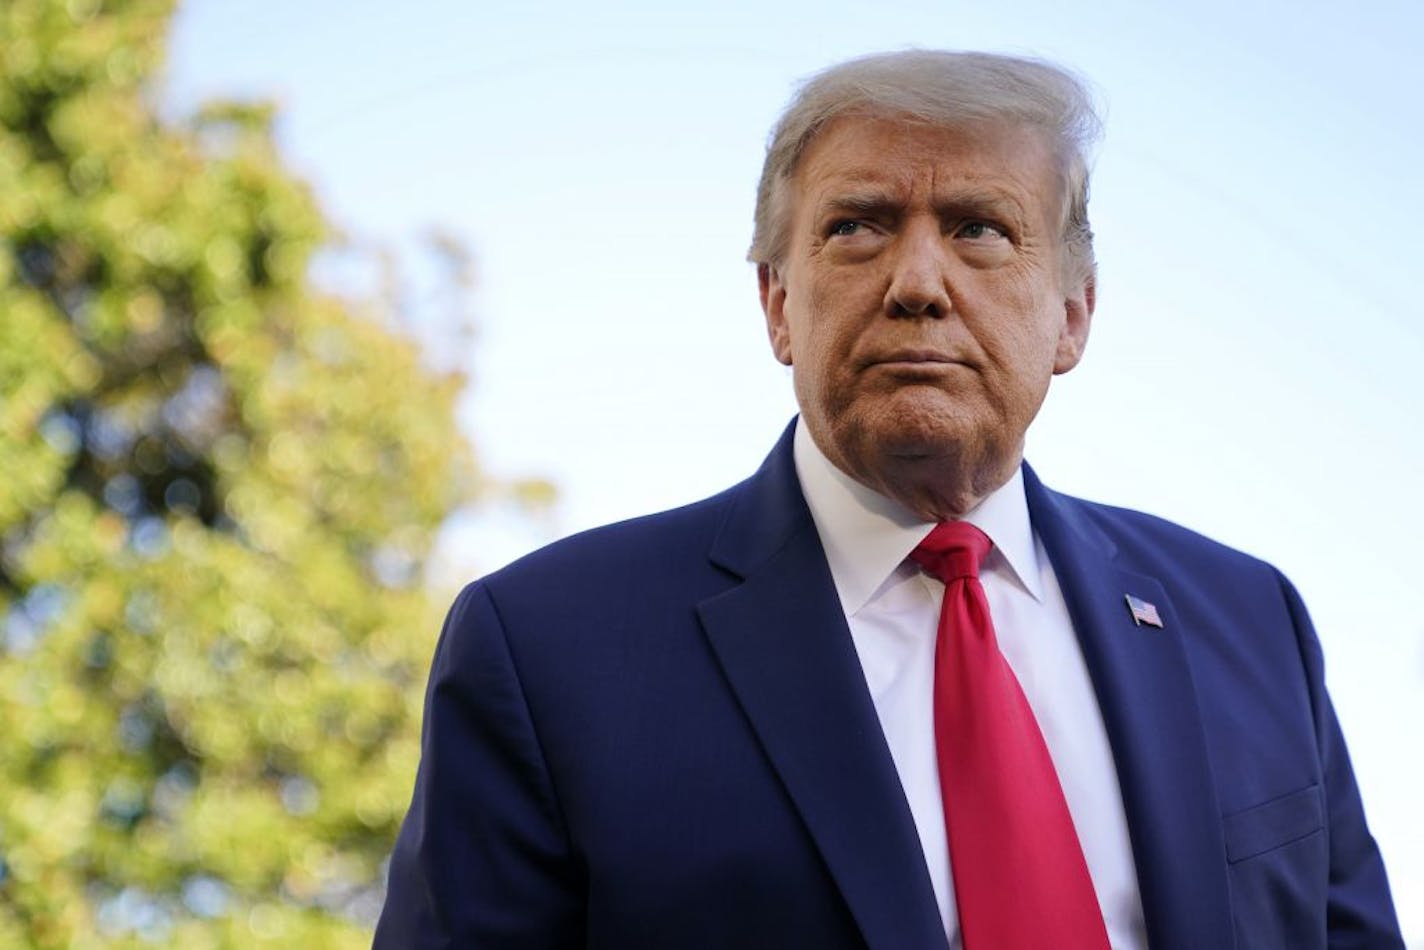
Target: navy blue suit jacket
657 735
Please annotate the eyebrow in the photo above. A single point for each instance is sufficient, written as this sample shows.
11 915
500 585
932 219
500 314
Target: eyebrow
872 204
962 201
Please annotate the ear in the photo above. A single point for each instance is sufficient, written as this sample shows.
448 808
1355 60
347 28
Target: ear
1078 308
773 304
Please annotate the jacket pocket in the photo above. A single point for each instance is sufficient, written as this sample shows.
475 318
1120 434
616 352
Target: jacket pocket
1274 823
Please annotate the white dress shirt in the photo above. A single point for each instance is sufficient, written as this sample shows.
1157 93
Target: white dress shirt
892 608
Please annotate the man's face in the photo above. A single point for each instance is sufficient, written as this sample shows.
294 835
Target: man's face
922 302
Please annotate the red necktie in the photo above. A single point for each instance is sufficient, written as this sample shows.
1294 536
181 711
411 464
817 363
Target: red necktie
1020 880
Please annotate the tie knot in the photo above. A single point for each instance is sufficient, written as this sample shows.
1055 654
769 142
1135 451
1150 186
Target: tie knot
953 549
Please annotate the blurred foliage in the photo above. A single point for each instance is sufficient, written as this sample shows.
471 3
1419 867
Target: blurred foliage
218 490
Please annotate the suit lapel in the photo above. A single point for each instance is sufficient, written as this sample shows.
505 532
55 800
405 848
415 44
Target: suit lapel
786 651
1144 688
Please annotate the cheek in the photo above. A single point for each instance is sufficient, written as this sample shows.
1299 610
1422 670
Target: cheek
824 330
822 375
1022 346
816 363
1030 315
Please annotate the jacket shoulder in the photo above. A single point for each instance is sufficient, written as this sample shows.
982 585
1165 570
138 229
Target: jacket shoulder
1148 539
646 546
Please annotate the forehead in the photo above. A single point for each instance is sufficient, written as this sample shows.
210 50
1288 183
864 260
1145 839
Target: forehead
900 158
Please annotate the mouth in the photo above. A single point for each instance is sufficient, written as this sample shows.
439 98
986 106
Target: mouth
913 360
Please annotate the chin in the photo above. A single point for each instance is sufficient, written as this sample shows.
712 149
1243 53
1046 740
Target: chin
921 429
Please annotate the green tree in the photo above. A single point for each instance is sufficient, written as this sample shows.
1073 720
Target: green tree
218 489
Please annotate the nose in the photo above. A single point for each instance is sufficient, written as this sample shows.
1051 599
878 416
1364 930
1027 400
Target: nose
919 283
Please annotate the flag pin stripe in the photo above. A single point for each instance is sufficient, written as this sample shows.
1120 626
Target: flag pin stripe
1143 613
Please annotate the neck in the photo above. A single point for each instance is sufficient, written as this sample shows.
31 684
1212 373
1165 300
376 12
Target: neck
940 488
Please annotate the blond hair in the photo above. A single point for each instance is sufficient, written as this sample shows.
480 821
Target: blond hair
942 88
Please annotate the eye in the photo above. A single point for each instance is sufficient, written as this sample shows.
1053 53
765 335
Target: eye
980 231
844 228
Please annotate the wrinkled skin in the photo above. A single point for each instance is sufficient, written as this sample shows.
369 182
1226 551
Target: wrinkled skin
923 303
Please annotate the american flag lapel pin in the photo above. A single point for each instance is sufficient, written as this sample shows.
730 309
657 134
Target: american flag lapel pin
1143 613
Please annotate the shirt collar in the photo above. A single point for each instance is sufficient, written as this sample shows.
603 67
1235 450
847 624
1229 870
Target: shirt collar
867 536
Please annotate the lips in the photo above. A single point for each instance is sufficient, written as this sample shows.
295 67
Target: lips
913 358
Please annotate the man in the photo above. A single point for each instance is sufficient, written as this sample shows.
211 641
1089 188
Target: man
890 691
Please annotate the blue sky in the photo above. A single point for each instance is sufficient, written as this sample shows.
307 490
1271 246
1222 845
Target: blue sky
1256 369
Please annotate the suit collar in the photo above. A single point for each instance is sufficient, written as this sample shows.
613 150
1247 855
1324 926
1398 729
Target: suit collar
766 510
1143 683
783 644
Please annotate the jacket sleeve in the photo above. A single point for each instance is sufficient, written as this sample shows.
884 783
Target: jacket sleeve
483 859
1360 913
